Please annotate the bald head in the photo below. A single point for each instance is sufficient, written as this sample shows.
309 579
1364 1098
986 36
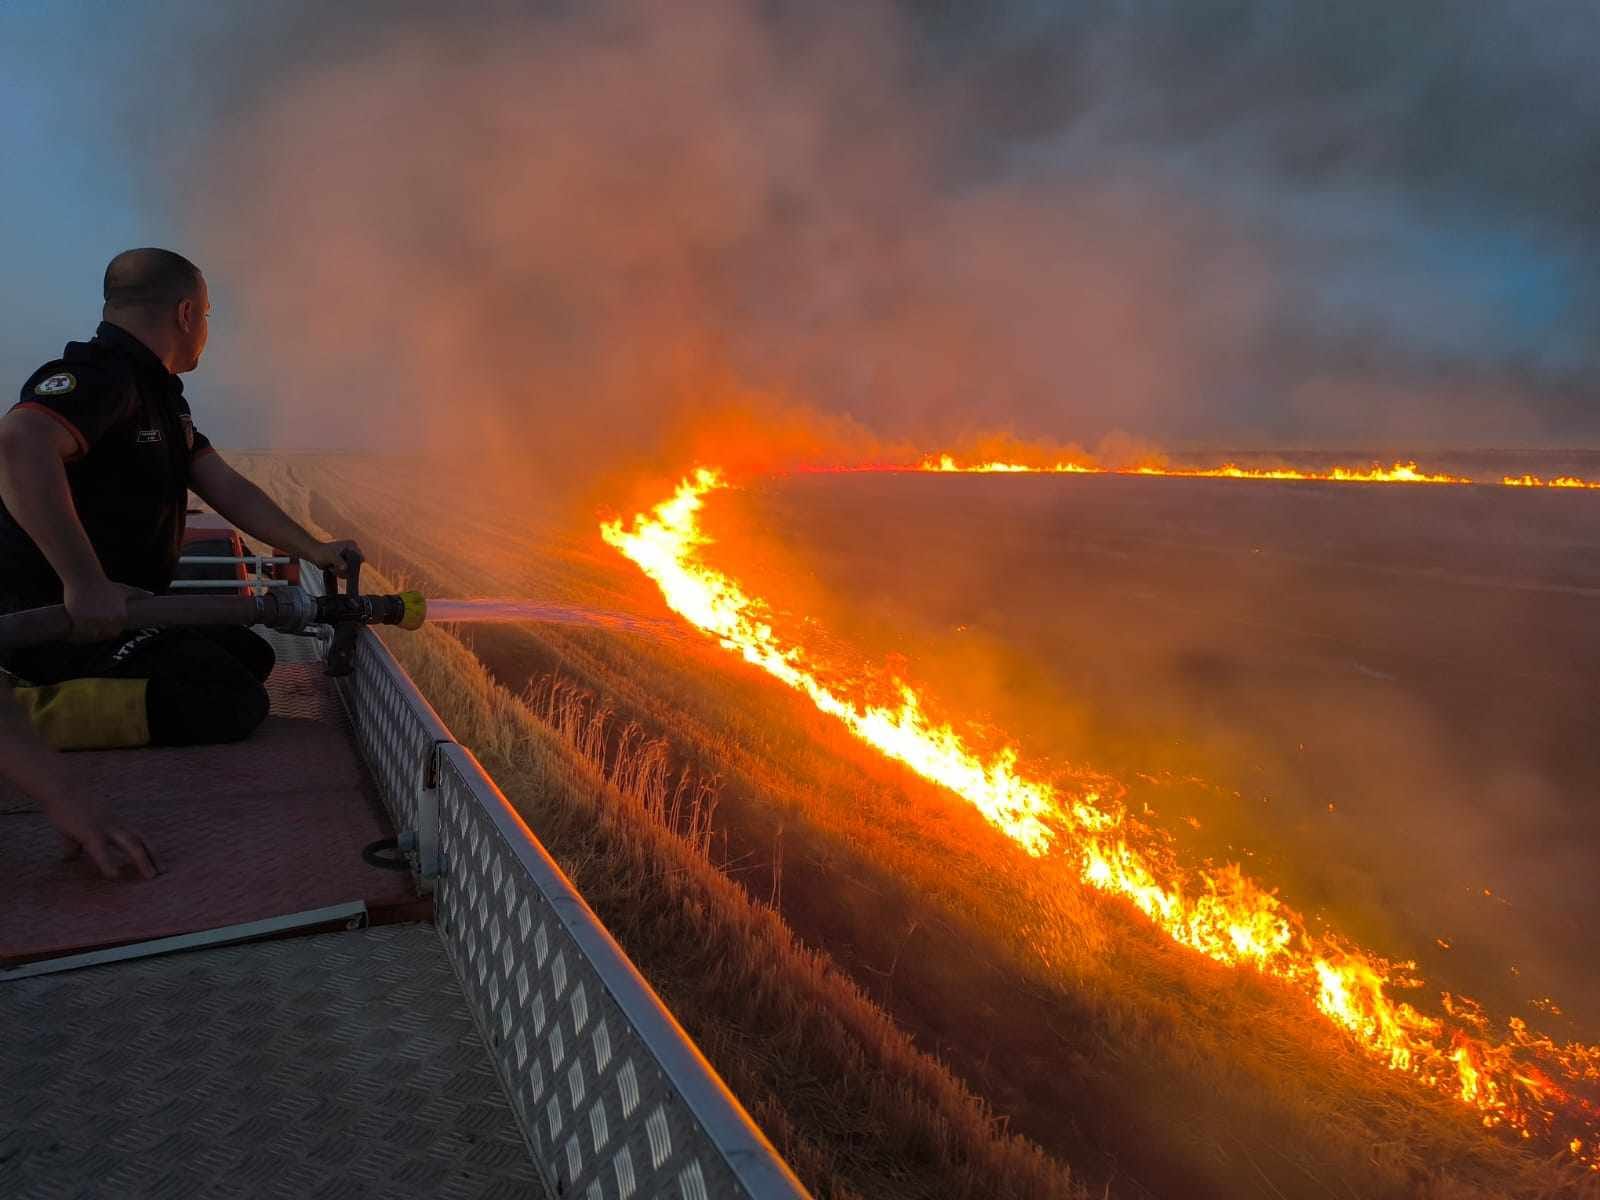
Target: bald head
149 278
161 298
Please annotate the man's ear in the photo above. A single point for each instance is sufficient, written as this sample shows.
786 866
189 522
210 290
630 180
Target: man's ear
186 315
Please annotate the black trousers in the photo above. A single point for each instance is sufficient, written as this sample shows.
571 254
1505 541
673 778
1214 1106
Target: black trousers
205 681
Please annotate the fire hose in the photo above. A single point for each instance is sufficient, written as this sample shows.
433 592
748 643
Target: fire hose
285 609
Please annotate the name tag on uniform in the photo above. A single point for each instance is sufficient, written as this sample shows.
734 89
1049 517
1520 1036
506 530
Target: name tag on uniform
146 436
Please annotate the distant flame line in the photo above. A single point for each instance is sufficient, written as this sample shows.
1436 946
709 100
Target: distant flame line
1217 911
1399 471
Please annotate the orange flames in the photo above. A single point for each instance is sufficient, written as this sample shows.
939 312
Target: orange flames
1397 472
1560 481
946 462
1400 472
1517 1079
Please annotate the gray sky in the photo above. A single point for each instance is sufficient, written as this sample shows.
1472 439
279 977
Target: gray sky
1241 222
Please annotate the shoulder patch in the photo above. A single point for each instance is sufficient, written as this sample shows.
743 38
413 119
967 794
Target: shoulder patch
58 384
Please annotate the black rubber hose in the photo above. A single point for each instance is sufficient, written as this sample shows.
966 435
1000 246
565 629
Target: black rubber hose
374 855
34 626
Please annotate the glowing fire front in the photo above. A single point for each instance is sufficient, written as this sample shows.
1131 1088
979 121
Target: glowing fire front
1398 472
1560 481
1218 911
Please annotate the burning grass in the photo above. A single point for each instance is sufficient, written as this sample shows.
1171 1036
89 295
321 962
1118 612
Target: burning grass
1033 462
1134 1060
1511 1077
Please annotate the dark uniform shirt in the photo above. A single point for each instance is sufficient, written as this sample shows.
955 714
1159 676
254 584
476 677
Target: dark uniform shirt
136 446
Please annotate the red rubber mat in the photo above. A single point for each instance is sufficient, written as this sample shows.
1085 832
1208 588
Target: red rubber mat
270 826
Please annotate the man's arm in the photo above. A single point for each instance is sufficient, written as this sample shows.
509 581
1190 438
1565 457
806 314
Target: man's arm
29 764
34 449
258 515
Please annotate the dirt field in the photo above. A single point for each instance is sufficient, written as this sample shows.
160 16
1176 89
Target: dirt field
1242 656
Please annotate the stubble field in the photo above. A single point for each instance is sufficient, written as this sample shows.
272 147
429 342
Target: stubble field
1378 699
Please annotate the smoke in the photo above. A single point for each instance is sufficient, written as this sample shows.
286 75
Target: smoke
1218 222
565 241
562 237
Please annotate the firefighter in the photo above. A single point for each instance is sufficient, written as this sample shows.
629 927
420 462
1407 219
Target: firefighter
96 462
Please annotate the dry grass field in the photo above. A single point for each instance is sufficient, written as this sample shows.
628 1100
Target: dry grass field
910 1005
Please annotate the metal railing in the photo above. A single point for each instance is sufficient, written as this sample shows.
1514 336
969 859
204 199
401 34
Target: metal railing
255 566
399 735
614 1099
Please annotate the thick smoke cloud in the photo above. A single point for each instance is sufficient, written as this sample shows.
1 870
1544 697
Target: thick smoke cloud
572 233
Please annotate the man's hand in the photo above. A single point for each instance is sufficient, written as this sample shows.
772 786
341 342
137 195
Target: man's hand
85 826
98 608
42 773
330 556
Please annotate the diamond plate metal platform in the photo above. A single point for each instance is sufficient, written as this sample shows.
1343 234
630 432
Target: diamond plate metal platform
339 1065
265 827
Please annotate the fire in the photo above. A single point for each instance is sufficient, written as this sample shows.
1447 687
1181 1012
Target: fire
1217 911
1399 472
947 463
1560 481
1396 472
664 547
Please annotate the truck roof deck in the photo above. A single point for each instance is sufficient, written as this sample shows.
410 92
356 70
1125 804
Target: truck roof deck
267 828
341 1064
